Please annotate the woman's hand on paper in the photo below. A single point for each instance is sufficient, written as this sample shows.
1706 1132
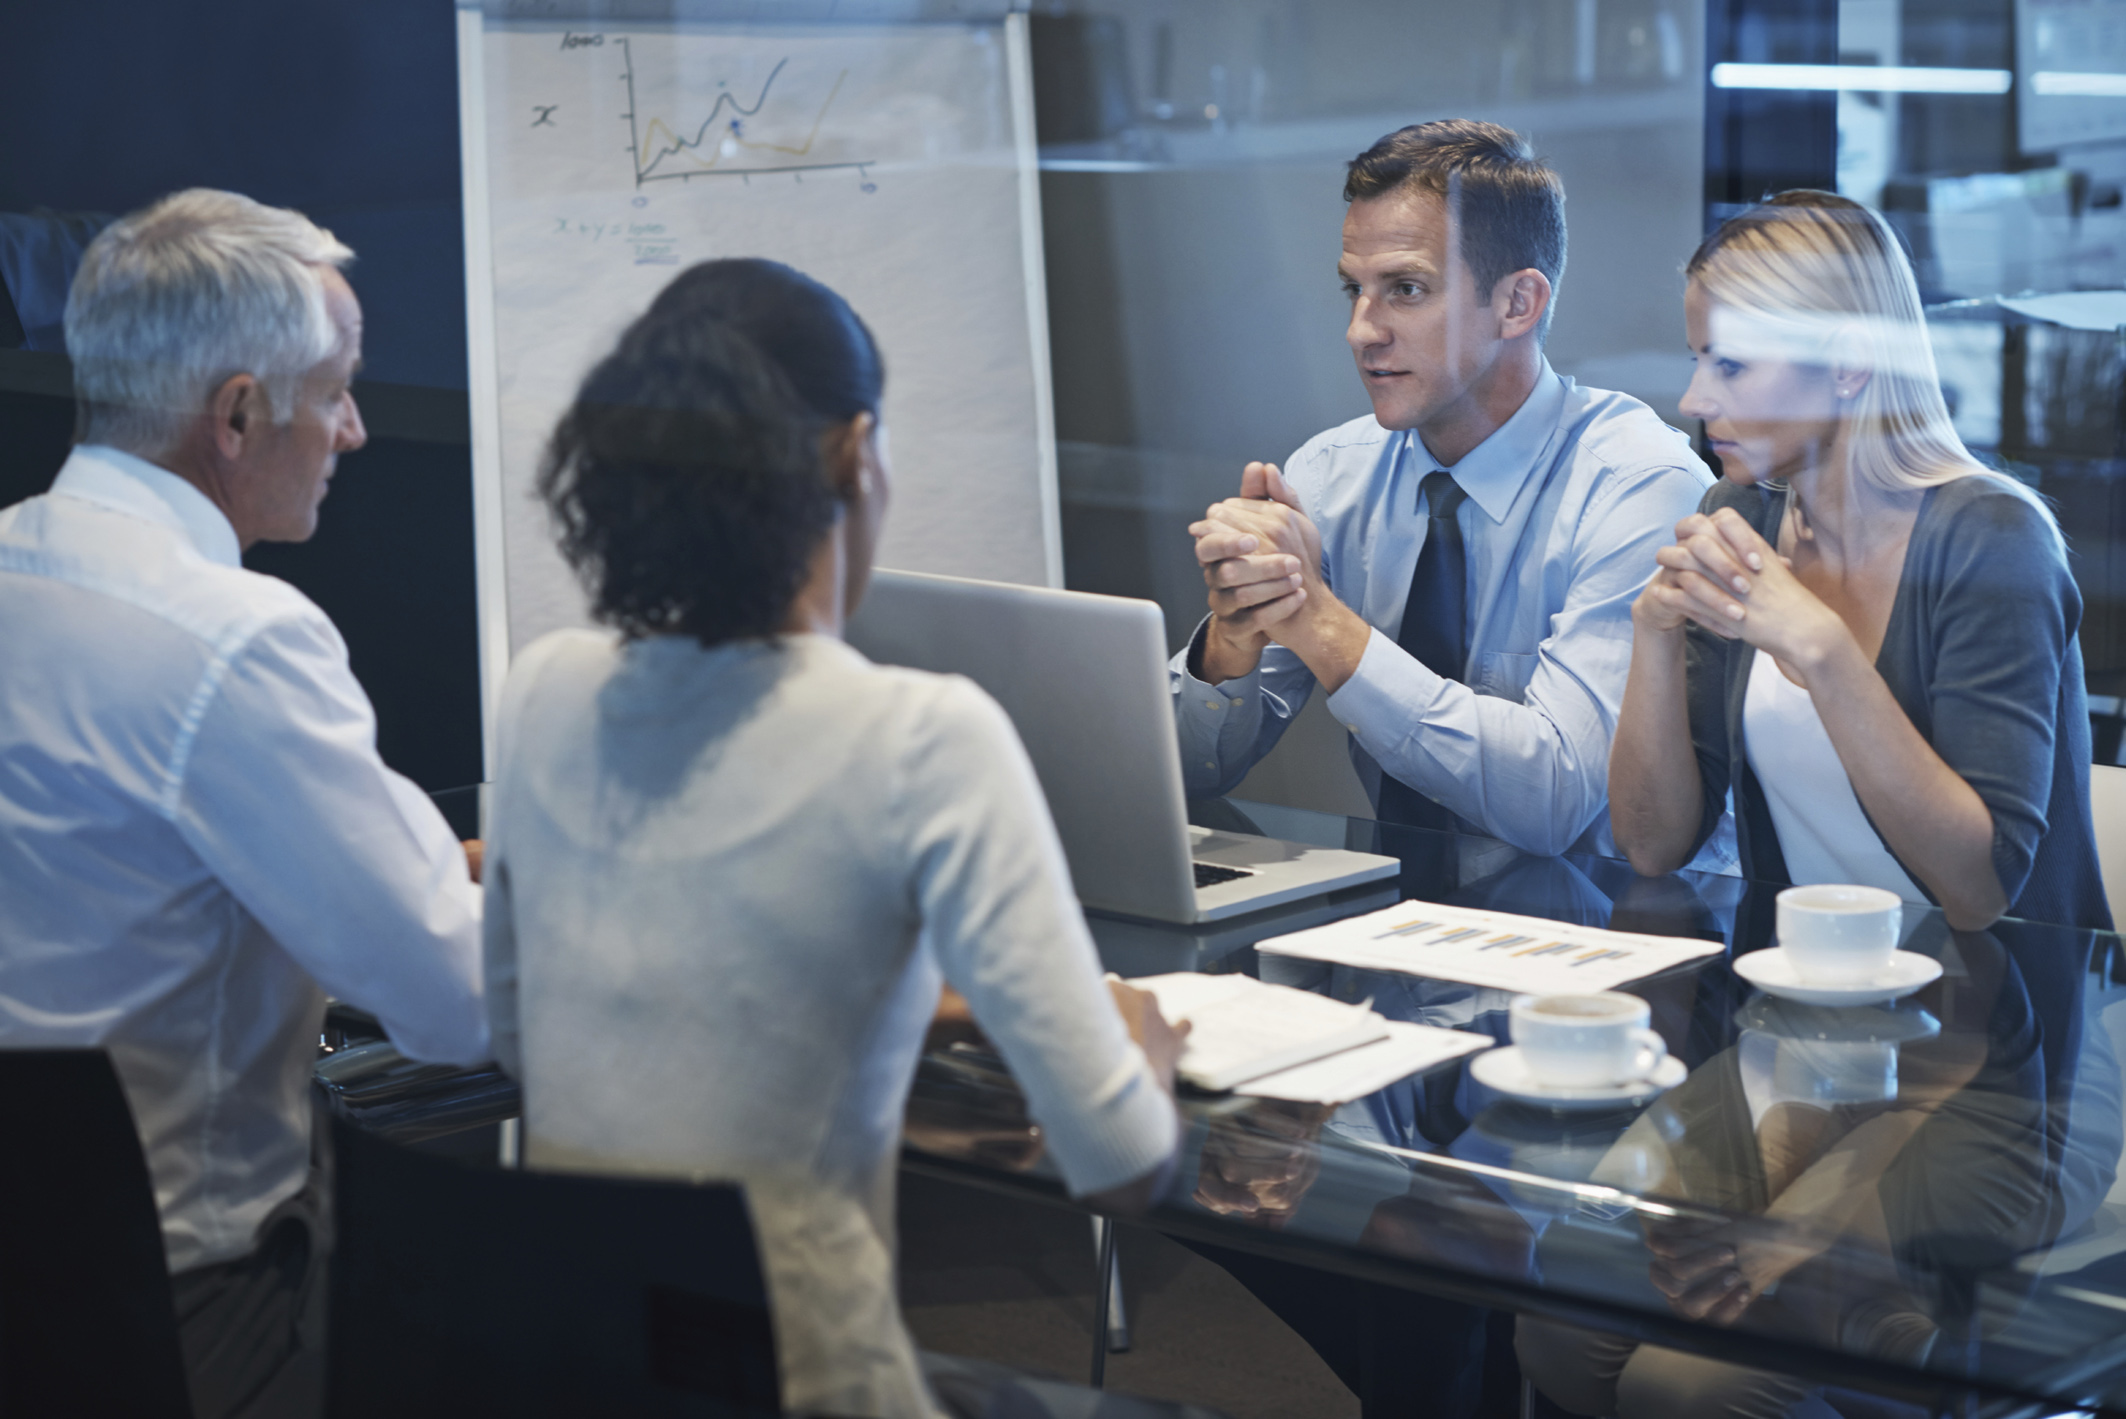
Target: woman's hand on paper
1161 1041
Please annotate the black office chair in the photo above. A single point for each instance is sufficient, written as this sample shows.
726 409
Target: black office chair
460 1290
86 1325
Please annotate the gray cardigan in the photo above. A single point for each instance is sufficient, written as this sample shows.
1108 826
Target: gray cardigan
1981 654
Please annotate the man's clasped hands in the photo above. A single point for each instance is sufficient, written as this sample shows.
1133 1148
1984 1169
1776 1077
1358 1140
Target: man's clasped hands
1261 559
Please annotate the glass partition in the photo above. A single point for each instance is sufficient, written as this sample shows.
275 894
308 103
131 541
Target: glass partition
1192 158
1993 135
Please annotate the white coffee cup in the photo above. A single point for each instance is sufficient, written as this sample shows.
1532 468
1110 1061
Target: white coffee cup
1589 1041
1837 935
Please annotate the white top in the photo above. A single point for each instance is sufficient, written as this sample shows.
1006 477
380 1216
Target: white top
1823 834
722 885
196 833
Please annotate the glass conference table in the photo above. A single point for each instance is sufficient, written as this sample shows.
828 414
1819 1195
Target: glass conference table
1925 1198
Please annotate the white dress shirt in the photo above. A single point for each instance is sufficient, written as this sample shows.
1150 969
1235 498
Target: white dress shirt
1567 503
722 885
196 834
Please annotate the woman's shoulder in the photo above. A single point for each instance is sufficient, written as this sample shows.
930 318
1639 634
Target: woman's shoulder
1991 494
940 734
574 655
574 648
922 701
1988 509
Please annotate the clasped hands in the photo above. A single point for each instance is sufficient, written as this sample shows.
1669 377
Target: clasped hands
1722 575
1714 1272
1258 1166
1261 560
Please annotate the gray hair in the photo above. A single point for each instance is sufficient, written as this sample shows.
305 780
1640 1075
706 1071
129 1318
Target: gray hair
174 300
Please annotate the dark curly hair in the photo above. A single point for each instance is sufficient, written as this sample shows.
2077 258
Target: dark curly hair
687 480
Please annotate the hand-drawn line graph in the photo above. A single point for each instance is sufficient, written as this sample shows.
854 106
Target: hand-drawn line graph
661 155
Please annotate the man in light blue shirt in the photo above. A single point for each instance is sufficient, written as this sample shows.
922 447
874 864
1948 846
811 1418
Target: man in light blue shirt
1480 683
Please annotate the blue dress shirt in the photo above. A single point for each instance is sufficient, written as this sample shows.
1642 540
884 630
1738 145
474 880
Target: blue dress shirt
1568 502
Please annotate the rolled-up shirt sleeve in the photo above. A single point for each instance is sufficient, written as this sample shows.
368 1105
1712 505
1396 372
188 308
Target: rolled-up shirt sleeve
1531 771
346 864
1005 928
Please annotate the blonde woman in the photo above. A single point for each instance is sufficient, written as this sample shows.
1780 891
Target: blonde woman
1863 634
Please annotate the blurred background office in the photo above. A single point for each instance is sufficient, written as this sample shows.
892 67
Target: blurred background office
1191 158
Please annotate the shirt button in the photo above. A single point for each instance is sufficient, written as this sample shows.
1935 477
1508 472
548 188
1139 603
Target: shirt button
1237 702
1210 704
1210 764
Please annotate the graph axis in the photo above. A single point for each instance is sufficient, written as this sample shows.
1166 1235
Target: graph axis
644 174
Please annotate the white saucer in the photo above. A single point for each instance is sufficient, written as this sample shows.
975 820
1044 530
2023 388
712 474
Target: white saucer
1504 1070
1835 1024
1771 972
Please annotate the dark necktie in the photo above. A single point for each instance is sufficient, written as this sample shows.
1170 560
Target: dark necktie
1435 629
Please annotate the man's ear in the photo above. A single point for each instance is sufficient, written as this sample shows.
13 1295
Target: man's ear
849 458
1519 300
234 411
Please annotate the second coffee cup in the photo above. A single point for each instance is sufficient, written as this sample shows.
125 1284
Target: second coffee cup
1838 935
1588 1041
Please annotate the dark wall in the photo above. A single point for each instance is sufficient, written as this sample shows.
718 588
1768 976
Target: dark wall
1761 141
347 112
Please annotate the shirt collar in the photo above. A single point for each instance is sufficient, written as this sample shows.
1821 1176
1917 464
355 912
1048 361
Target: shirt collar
127 483
1493 472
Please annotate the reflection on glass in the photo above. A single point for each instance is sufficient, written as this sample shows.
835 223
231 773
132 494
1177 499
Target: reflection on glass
1921 1185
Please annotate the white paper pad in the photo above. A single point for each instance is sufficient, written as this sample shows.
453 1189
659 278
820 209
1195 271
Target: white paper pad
2077 310
1495 949
1356 1073
1241 1028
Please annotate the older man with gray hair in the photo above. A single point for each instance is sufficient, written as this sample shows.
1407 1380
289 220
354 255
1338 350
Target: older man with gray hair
197 838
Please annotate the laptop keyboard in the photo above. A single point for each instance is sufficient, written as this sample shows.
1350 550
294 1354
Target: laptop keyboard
1210 875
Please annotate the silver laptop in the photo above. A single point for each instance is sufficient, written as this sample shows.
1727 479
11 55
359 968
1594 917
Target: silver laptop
1084 678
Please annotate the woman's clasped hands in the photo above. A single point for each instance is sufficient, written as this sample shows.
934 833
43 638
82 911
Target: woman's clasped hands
1722 575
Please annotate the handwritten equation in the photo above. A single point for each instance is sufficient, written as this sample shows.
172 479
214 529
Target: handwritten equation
649 243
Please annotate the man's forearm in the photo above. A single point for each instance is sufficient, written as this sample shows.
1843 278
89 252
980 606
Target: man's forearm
1655 796
1328 637
1223 656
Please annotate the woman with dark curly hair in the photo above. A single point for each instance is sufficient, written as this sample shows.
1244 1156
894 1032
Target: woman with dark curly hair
731 859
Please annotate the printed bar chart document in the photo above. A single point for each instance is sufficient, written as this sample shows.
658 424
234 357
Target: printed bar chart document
1487 948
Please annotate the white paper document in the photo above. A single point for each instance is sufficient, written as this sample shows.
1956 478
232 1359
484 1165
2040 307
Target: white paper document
1355 1073
1241 1028
1487 948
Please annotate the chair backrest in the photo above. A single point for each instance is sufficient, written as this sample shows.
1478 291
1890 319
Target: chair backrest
86 1325
467 1290
2107 807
